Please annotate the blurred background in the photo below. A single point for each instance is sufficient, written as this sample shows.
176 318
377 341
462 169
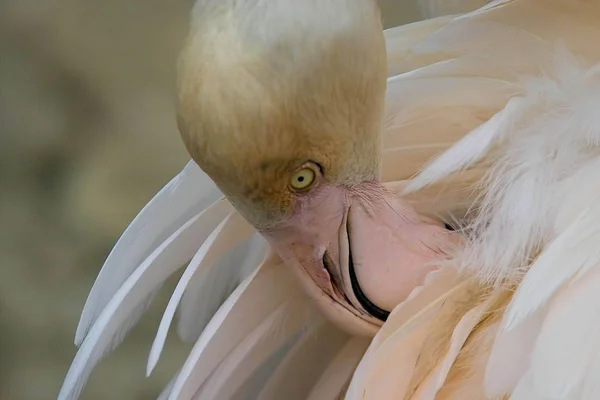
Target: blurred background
87 136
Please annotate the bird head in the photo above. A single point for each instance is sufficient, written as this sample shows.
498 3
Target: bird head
281 104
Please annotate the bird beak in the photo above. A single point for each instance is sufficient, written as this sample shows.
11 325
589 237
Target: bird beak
357 257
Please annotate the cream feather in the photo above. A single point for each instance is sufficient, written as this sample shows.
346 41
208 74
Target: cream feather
185 196
502 91
435 380
538 204
397 345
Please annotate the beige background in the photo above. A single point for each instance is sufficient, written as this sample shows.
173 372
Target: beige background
87 135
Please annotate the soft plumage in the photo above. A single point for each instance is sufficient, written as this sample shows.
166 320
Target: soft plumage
497 108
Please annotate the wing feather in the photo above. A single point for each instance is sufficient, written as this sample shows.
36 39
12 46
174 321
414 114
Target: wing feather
304 363
123 309
230 232
397 345
435 380
338 373
184 196
243 311
208 289
281 326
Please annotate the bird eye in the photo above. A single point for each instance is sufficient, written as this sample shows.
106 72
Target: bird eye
303 179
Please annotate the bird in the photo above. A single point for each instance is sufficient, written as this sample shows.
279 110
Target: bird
373 214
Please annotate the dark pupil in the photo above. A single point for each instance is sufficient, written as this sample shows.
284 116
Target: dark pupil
300 179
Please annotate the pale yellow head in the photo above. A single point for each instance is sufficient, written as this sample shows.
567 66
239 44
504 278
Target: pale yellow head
269 87
281 103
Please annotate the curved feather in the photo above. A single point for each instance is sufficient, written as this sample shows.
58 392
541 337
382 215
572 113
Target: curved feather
286 322
401 40
183 197
455 74
304 363
208 289
428 389
230 231
434 8
245 309
338 373
510 357
569 341
397 345
572 252
120 313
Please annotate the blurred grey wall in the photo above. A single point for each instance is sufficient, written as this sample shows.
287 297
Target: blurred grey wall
87 136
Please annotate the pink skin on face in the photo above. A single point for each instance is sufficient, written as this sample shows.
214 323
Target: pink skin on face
390 248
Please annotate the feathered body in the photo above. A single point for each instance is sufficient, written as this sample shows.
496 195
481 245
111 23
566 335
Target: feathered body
495 112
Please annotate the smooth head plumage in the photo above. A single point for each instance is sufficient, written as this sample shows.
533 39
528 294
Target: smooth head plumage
266 86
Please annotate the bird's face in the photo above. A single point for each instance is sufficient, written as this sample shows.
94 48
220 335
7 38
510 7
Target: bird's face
281 103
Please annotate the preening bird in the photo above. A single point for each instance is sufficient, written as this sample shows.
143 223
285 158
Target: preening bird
405 214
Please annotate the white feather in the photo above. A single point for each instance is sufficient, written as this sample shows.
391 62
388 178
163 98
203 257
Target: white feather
555 133
208 289
284 324
230 232
183 197
525 390
124 307
164 394
591 385
338 373
510 356
575 251
569 341
471 148
306 361
434 8
252 387
245 309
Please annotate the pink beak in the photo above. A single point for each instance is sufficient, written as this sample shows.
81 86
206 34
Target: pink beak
358 253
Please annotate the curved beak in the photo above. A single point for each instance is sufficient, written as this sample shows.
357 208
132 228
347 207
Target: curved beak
358 255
